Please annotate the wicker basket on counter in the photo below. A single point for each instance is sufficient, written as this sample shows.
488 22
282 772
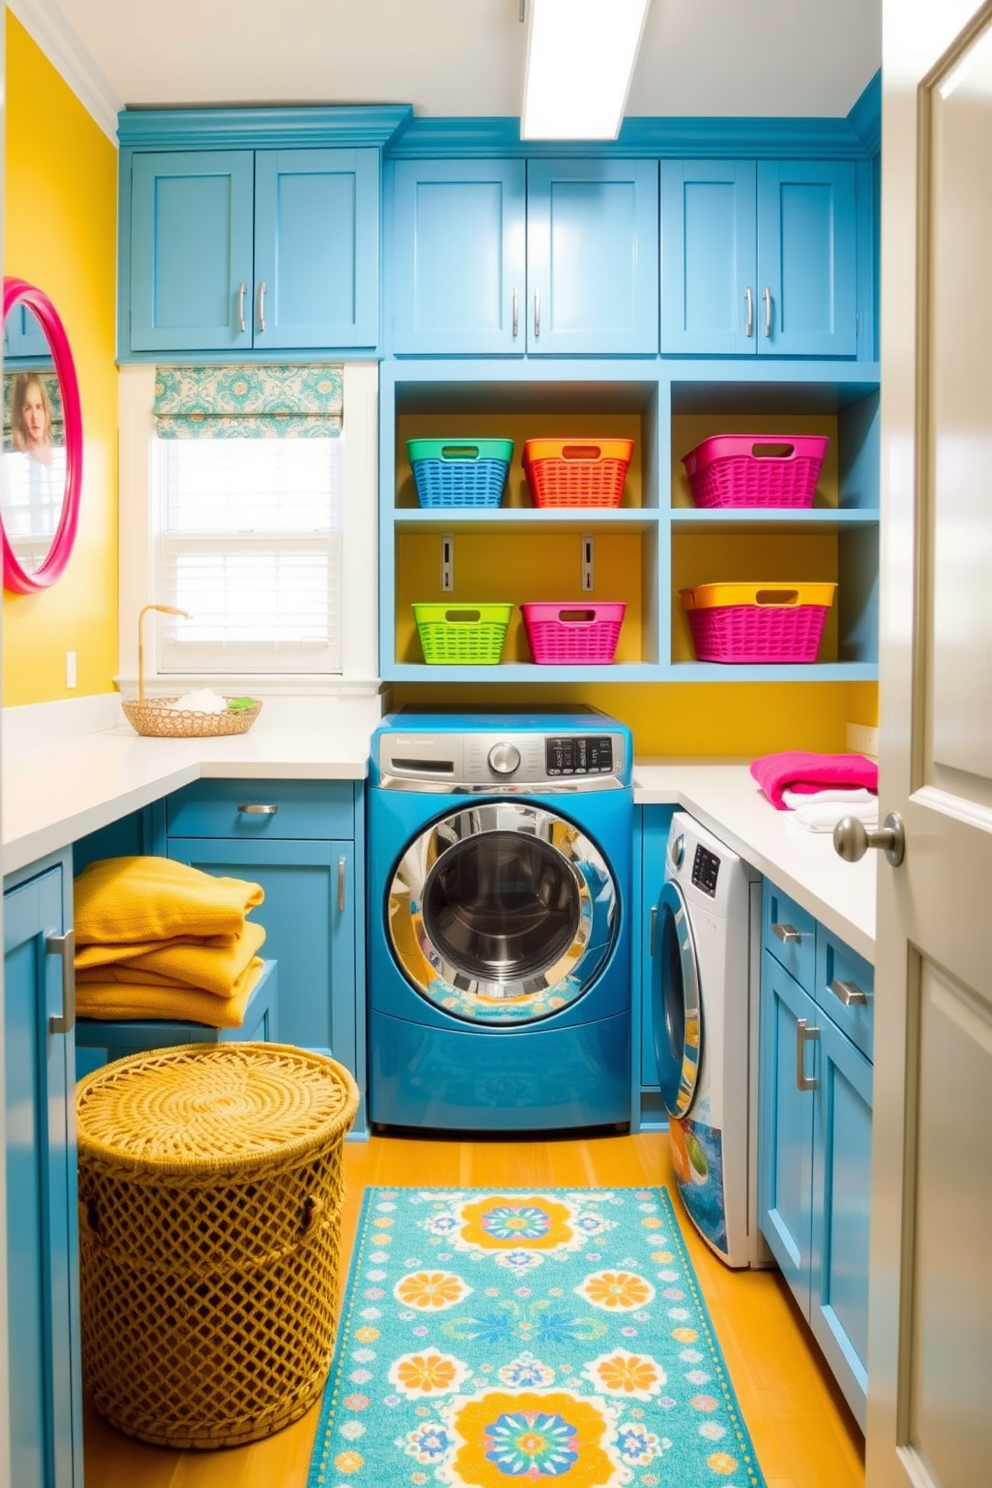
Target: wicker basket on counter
155 718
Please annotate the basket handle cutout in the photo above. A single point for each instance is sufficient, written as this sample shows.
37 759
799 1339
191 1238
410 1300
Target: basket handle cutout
459 452
463 617
577 617
311 1209
581 451
777 451
92 1217
776 596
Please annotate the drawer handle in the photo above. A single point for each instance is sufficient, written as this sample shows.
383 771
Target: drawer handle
537 312
849 993
516 313
340 885
654 921
253 808
768 312
65 947
787 934
262 286
749 301
804 1035
242 291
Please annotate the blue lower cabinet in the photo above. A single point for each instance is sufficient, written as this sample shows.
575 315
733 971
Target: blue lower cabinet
814 1169
45 1410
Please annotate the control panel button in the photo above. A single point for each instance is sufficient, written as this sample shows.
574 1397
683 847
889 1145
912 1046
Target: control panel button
504 759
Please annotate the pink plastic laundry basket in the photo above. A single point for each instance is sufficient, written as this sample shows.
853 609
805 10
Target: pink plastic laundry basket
570 634
756 469
757 622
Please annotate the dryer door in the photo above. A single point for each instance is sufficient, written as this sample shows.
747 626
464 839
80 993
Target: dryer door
675 1007
502 912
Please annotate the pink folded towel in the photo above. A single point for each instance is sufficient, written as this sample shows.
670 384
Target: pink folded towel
797 767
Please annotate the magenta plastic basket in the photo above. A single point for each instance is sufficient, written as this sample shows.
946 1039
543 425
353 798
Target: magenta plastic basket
756 469
570 634
774 626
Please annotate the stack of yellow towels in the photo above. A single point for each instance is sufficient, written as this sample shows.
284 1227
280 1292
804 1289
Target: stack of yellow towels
158 939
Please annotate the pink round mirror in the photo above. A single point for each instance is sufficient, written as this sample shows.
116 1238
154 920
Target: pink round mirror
41 470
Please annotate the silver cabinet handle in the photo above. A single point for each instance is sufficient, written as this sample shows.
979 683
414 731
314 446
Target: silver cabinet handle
749 301
849 993
804 1035
65 947
516 313
768 312
261 304
537 312
787 934
242 291
852 839
654 921
255 808
340 885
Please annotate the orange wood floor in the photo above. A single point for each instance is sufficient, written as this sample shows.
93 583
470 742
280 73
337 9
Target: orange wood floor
803 1433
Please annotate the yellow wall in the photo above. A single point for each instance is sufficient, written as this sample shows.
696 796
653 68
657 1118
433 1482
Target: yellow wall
60 233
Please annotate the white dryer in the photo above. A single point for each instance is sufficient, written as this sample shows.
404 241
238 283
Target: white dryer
704 976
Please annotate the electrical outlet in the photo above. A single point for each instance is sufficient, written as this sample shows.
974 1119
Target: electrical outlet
70 669
862 739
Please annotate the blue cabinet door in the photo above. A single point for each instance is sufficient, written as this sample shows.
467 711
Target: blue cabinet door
592 257
316 274
807 258
708 248
191 251
656 821
23 337
459 257
841 1197
309 919
42 1250
785 1125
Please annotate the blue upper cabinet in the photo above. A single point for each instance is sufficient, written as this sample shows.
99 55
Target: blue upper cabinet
760 258
316 248
460 267
238 249
23 337
548 257
191 251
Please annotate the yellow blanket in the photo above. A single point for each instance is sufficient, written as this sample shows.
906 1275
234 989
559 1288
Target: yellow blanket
111 1001
125 900
206 968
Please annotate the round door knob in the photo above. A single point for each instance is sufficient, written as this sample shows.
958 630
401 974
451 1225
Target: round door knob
676 850
852 839
504 759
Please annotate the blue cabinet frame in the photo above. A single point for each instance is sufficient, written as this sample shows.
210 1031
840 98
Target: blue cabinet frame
814 1159
548 257
240 250
761 257
45 1409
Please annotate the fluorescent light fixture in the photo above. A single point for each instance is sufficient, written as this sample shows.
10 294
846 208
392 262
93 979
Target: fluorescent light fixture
580 59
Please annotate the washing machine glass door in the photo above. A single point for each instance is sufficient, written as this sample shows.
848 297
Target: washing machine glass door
502 912
675 1003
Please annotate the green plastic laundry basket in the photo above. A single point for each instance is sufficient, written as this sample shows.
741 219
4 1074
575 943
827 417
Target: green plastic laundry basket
462 634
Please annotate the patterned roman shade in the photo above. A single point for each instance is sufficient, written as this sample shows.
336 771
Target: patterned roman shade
249 402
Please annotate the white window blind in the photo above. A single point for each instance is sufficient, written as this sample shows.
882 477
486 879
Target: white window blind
249 542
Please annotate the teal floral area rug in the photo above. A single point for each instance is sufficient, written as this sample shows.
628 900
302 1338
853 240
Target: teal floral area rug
518 1336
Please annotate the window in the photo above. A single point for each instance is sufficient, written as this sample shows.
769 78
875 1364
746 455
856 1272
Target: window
269 543
250 545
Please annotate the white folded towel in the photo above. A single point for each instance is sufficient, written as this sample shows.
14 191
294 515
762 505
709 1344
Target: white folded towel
794 799
825 815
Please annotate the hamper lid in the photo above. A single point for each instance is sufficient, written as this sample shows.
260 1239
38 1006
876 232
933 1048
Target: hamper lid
204 1105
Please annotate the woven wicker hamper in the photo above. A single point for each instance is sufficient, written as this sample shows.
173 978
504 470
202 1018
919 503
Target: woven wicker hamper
210 1192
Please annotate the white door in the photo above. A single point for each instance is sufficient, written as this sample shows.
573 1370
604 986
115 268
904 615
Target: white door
930 1323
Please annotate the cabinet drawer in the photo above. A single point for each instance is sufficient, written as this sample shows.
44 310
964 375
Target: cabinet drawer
842 979
788 932
303 809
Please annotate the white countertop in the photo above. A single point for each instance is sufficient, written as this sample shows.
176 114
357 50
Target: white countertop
57 792
724 798
54 794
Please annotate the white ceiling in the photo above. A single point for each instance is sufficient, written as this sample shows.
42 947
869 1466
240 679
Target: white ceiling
465 57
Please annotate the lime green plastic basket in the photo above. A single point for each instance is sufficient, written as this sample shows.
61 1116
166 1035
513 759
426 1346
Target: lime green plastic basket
462 634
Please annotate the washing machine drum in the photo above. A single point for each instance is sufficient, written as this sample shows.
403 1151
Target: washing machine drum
675 1006
502 913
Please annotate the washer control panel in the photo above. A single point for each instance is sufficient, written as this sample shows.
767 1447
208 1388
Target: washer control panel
705 868
510 761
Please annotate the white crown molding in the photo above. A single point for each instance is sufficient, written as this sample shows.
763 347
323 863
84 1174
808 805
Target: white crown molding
46 24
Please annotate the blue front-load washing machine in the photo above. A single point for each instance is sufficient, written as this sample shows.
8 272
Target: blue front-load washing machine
499 861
